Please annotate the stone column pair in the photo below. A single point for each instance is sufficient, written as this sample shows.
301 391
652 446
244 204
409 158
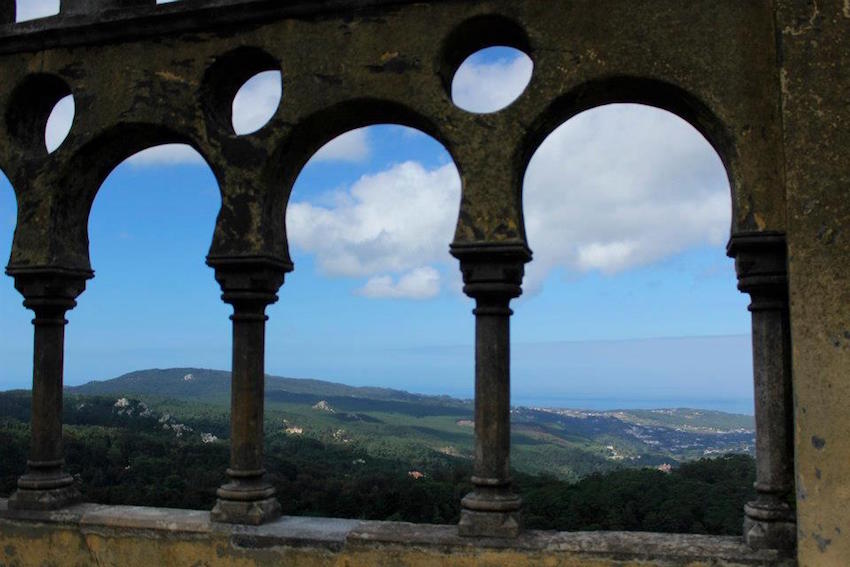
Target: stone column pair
493 276
249 285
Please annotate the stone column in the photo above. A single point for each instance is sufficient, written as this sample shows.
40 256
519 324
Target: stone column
492 276
760 262
249 285
50 293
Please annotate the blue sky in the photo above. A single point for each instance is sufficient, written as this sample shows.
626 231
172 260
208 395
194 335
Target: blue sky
630 300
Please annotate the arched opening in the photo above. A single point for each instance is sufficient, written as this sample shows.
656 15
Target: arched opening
630 336
149 318
149 230
373 305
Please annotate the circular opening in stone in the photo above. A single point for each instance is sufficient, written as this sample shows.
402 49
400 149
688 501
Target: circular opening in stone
256 102
491 79
59 123
40 113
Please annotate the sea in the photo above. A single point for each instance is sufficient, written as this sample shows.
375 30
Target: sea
743 406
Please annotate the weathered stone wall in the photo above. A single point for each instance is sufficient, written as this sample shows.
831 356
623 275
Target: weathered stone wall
814 63
123 536
711 62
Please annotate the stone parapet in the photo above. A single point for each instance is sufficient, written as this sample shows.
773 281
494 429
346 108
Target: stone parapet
92 534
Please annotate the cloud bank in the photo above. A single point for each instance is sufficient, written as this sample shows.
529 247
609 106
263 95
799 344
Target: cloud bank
615 188
392 227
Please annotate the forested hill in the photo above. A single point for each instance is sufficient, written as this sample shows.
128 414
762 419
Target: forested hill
161 437
214 386
569 443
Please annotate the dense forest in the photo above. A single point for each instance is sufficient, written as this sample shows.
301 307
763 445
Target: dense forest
127 453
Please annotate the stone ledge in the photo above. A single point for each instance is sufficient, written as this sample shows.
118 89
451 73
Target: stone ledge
93 534
135 22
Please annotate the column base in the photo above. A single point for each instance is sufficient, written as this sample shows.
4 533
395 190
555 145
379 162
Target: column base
490 515
489 524
770 526
253 512
45 498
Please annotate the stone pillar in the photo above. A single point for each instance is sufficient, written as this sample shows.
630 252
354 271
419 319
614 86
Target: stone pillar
760 262
492 276
50 293
249 285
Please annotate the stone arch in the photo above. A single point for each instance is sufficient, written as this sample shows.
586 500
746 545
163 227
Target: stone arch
322 127
637 90
81 177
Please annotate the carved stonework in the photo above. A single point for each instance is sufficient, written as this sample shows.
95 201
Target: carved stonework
492 275
50 293
249 285
760 261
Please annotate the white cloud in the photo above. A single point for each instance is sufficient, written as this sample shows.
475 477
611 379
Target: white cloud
166 154
393 221
613 189
488 86
59 123
420 283
32 9
353 146
256 102
619 187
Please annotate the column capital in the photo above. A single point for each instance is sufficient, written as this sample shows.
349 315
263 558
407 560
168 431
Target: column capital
760 262
249 281
492 270
49 290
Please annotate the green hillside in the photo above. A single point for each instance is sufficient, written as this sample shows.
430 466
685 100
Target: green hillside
214 385
396 424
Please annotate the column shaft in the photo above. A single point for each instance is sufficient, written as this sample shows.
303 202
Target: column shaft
773 401
492 395
46 417
246 403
